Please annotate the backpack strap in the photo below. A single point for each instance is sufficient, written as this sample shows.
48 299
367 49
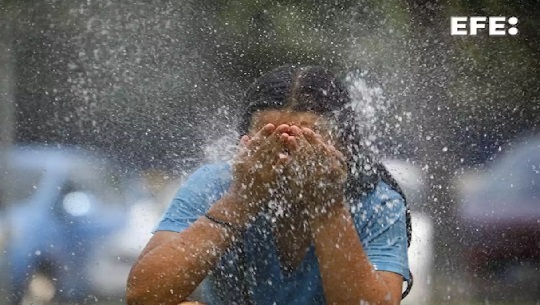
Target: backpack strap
386 177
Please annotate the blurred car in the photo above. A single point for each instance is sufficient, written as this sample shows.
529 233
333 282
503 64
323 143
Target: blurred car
499 212
61 205
3 232
119 252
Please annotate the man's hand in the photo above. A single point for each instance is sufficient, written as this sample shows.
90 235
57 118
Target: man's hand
259 165
290 165
318 172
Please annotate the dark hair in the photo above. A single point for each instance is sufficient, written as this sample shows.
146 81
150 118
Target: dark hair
315 89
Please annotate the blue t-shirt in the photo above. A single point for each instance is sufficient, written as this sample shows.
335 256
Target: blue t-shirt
251 269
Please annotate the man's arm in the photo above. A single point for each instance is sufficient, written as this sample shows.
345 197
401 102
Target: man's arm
347 275
173 264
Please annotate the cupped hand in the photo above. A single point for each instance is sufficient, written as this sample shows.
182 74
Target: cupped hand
318 172
259 164
289 164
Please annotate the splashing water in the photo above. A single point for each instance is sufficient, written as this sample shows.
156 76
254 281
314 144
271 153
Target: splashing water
367 100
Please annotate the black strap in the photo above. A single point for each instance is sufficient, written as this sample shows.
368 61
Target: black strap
221 223
387 178
410 283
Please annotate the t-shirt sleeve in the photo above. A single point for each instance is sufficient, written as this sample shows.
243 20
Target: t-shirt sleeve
195 196
381 224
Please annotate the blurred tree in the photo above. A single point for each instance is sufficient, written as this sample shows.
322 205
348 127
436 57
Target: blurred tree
130 79
138 78
473 94
497 95
367 39
6 91
432 49
259 35
6 83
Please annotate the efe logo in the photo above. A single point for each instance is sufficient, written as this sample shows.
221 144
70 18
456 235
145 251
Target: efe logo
496 25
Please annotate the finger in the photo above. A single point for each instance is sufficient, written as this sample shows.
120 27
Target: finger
284 138
292 143
310 135
304 151
270 147
264 132
338 161
306 142
254 143
283 128
301 144
315 140
280 146
335 152
295 130
242 149
268 129
283 159
274 143
245 140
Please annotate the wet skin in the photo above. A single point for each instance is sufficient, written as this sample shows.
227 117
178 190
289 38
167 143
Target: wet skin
278 140
292 145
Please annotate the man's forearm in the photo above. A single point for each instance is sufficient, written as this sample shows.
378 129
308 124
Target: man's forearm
171 271
347 274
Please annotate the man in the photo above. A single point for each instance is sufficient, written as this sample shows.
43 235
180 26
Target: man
298 217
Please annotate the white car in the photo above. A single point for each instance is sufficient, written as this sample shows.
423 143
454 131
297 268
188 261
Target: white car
110 265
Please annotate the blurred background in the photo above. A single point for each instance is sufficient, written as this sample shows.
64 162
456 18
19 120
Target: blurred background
105 106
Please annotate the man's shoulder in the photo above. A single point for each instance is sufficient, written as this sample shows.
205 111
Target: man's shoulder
218 171
206 182
383 199
196 194
215 167
386 191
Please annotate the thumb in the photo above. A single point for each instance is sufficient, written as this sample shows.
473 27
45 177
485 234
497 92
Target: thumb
245 140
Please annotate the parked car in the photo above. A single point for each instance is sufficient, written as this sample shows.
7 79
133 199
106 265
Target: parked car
62 206
3 236
150 194
499 212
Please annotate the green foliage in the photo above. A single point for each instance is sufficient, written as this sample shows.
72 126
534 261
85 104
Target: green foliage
497 83
259 35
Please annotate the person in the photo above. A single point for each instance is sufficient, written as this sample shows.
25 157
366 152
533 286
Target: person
297 217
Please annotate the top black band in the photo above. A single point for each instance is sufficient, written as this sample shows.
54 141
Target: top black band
222 223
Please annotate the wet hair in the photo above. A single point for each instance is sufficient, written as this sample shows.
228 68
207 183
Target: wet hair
315 89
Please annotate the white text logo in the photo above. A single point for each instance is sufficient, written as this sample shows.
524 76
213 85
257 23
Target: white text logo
495 25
